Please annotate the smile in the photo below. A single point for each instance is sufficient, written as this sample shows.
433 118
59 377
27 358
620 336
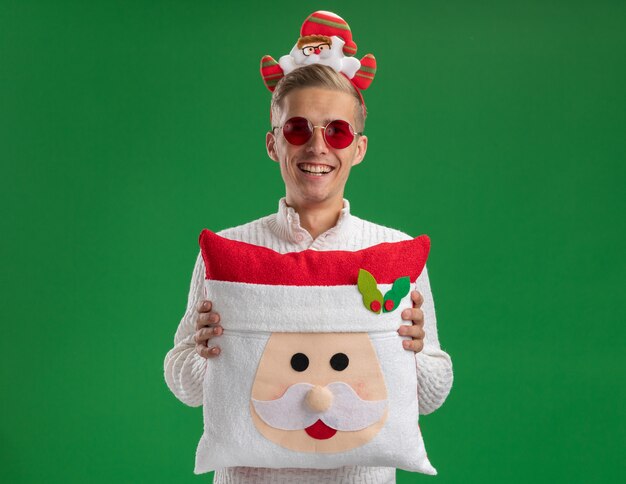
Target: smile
320 431
316 170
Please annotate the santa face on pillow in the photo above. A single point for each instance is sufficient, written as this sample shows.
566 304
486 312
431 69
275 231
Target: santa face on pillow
319 392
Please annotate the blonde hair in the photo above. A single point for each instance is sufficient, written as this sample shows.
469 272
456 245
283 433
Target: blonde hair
317 75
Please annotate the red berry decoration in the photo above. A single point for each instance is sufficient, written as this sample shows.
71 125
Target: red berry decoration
389 305
375 306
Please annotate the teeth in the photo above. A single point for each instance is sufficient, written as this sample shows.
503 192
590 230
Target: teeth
317 169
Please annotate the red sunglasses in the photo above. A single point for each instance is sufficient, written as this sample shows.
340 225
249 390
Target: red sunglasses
338 134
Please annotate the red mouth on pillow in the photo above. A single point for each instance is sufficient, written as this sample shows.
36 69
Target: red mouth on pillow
320 431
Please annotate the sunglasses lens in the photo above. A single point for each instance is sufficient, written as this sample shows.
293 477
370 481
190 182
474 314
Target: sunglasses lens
297 131
339 134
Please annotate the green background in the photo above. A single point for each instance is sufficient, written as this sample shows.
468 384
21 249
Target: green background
497 127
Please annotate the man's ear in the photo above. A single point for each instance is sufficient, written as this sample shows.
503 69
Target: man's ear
270 145
361 149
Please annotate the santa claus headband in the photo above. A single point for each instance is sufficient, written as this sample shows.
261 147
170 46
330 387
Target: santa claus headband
313 291
325 38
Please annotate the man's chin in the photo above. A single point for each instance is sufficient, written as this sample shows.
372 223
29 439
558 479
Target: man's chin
311 199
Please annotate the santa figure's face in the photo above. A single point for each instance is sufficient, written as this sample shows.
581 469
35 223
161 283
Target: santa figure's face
317 49
319 392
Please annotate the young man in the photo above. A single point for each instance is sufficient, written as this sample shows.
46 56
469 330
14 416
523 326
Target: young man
316 137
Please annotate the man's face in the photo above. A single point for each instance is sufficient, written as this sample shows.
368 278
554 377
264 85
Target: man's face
315 173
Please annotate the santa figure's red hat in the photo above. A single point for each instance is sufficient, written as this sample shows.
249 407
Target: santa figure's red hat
329 24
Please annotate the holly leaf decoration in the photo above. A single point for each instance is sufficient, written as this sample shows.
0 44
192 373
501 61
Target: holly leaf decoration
399 289
372 297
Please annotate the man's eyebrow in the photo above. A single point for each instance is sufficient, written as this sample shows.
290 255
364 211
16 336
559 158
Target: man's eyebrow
324 121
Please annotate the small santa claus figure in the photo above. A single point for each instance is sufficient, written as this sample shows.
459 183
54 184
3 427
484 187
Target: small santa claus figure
325 38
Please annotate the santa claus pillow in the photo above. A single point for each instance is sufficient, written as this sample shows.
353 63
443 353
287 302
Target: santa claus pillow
312 371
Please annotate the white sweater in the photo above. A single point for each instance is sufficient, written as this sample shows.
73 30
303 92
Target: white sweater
282 232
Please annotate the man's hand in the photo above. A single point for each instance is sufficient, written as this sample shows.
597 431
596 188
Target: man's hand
416 331
207 327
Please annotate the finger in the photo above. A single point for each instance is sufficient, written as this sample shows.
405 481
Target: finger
205 334
415 331
413 314
208 352
415 345
417 299
207 319
204 306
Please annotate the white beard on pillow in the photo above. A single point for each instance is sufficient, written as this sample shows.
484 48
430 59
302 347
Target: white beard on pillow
333 57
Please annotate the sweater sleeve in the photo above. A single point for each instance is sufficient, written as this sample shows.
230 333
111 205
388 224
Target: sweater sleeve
434 366
184 368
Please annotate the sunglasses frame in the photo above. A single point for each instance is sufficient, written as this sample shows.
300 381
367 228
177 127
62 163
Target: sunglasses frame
323 128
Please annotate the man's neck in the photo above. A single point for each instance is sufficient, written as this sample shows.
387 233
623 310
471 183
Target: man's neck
319 217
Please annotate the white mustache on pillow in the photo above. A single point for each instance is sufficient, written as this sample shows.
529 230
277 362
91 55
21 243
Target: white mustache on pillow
348 411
